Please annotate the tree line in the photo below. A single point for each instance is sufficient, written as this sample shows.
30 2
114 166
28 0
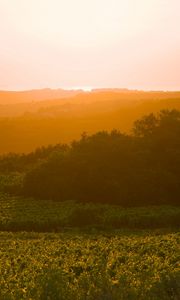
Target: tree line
141 168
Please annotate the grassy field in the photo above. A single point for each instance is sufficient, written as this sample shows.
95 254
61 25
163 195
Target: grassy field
89 267
45 216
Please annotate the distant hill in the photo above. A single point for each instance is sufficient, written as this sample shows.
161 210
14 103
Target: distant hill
61 102
13 97
25 126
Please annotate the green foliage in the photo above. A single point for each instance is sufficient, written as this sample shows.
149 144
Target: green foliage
11 183
111 267
19 214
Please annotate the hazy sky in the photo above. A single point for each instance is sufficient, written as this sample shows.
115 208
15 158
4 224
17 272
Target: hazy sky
90 43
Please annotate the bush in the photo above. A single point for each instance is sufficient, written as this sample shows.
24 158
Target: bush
11 183
87 216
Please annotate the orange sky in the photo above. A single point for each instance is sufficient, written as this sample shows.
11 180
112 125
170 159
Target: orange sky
90 43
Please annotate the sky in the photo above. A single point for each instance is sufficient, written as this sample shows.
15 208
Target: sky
88 44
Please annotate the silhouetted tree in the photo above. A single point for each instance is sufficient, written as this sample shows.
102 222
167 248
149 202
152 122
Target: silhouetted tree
138 169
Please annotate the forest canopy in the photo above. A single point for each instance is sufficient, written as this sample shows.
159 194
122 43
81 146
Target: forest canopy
141 168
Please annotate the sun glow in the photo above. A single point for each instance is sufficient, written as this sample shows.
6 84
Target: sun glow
83 88
90 43
80 22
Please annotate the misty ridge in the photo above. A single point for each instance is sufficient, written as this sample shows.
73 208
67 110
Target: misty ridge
49 102
31 119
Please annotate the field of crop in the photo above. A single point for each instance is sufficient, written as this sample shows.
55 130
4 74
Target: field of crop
89 267
44 216
97 253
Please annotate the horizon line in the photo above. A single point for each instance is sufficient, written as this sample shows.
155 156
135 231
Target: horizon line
88 89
